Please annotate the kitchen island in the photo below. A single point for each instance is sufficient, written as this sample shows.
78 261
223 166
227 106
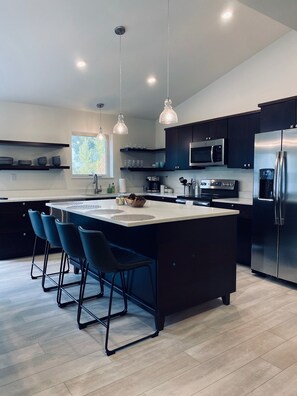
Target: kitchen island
193 248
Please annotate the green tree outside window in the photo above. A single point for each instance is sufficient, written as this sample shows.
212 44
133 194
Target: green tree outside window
89 155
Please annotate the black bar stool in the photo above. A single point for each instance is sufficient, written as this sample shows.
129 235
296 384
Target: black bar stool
39 232
73 254
102 258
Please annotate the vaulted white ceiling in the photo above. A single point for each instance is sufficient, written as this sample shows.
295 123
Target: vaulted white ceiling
41 40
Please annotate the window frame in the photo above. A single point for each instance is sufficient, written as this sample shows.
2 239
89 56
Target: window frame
109 155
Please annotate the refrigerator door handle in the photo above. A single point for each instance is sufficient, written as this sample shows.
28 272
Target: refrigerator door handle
281 187
276 189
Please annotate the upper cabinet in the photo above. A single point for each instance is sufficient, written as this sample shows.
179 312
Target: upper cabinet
177 142
238 129
241 131
211 129
279 114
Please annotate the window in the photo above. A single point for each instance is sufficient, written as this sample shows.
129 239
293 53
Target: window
89 154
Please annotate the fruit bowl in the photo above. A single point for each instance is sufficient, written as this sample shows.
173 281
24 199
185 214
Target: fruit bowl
137 202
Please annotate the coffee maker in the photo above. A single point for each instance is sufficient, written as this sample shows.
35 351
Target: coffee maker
153 184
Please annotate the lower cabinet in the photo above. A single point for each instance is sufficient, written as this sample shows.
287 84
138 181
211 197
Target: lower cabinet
244 230
16 233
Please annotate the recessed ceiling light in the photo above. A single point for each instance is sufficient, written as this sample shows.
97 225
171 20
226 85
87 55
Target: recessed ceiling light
226 15
151 80
81 64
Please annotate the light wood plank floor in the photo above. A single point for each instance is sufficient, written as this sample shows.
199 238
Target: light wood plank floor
246 348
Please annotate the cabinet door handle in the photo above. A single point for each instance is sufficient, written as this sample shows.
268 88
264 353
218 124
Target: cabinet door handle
24 203
24 214
24 234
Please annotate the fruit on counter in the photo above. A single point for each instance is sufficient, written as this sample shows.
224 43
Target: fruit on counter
136 198
132 196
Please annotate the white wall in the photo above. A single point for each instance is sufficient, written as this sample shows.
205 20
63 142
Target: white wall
269 75
52 124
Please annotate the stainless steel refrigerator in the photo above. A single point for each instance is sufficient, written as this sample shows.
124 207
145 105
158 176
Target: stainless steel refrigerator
274 248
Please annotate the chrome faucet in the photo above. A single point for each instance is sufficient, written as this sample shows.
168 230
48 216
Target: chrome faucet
97 189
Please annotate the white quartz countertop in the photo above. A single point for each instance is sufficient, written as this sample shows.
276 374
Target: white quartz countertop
79 196
237 201
159 212
60 197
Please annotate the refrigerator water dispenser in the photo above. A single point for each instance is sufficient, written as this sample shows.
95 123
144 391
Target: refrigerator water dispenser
266 183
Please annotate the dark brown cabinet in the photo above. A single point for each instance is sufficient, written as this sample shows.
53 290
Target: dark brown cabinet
211 129
16 233
278 114
244 230
241 132
177 141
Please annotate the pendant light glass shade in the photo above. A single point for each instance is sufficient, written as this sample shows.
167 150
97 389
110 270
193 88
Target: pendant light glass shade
120 127
100 134
168 115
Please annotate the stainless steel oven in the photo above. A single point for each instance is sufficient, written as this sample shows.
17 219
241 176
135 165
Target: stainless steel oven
211 189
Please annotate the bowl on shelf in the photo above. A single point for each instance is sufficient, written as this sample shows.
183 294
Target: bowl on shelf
24 162
6 160
41 161
56 160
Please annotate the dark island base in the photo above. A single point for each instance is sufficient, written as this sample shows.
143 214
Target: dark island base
194 261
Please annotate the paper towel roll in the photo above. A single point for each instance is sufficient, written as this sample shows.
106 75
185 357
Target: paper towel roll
122 186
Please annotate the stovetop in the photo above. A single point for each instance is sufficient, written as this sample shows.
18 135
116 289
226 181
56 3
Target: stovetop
214 189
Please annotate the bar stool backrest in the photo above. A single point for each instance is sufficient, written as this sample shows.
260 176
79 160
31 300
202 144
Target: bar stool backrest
51 231
70 240
37 224
97 251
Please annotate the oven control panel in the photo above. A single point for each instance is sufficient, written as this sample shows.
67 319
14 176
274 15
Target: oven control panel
218 184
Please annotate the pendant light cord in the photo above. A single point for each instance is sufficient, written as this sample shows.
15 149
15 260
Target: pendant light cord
120 74
168 33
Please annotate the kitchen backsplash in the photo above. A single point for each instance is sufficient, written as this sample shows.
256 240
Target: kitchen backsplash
245 178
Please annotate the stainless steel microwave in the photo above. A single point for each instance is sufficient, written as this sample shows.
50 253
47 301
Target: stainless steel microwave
207 153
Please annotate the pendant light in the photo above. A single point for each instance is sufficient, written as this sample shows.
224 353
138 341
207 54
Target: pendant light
168 115
120 127
100 134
